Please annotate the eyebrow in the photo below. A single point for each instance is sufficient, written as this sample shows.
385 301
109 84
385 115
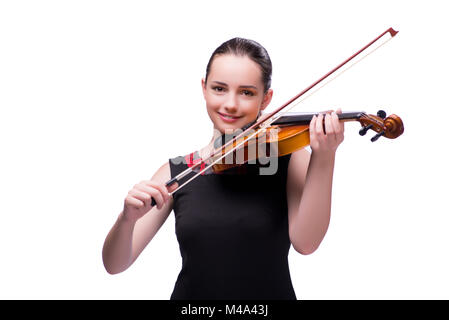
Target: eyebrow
242 86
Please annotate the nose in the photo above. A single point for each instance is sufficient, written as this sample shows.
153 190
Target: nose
231 104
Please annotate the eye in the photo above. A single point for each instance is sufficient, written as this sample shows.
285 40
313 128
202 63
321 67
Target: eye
218 88
248 93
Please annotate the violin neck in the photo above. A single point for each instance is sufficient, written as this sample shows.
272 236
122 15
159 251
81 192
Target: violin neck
301 118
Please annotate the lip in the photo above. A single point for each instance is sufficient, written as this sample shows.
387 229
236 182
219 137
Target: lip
229 120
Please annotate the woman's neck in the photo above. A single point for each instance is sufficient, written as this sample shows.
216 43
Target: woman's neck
206 151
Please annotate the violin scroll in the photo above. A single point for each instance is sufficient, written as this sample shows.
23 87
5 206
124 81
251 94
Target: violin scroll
390 127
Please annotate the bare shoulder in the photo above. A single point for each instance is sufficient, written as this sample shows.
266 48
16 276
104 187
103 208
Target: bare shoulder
162 174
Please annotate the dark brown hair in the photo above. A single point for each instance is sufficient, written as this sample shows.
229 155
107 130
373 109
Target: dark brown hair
249 48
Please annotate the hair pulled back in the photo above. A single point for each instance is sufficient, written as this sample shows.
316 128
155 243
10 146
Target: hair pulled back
249 48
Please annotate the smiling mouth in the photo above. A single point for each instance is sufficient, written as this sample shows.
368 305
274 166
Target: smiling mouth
227 117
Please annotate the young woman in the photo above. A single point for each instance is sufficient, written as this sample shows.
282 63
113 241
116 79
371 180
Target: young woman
235 230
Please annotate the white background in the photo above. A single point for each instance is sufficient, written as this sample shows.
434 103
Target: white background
96 95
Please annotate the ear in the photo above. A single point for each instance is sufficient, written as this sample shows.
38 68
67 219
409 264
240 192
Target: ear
203 86
266 99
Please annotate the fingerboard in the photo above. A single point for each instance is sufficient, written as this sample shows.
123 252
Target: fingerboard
302 118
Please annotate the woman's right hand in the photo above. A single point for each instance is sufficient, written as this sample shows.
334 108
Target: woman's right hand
138 200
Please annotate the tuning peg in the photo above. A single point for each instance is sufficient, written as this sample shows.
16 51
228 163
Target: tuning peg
377 136
364 130
381 114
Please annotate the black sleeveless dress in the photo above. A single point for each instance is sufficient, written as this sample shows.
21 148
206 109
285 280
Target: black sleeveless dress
232 230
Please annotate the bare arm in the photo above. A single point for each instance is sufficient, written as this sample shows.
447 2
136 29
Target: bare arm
309 210
309 185
137 224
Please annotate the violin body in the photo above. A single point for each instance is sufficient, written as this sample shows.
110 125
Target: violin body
273 141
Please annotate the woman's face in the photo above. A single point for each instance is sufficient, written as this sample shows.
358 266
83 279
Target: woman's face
234 92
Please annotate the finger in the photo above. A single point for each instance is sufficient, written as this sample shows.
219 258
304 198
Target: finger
319 126
335 123
312 127
140 195
148 189
146 197
159 186
173 187
339 127
342 124
131 201
328 124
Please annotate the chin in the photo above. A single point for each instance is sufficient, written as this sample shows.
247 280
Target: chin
229 127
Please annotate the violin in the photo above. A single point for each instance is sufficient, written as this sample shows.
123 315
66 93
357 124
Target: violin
290 133
287 132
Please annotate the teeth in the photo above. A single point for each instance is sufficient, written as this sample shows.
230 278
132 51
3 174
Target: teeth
228 117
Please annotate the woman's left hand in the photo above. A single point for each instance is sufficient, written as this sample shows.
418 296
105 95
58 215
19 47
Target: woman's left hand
326 136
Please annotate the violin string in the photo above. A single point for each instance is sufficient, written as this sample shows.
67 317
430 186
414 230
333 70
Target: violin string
270 120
